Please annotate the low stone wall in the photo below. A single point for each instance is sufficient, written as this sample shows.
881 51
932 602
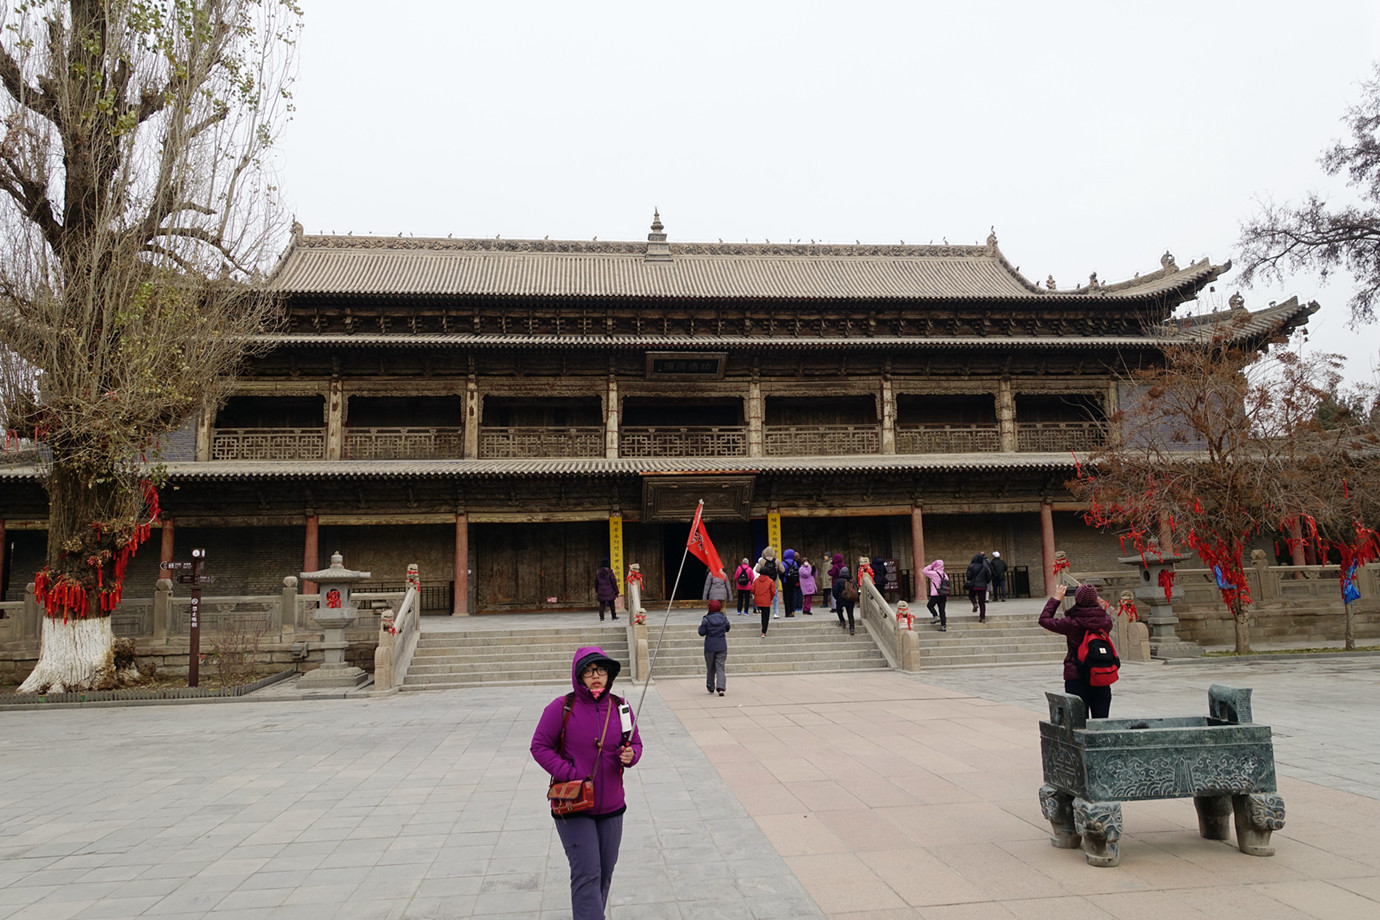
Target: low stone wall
170 656
1297 623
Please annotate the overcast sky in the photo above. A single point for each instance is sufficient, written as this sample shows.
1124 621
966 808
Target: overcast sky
1092 136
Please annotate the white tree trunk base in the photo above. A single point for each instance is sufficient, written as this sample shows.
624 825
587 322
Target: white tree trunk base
76 655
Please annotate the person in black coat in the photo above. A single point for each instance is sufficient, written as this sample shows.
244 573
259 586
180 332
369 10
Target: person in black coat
977 580
714 627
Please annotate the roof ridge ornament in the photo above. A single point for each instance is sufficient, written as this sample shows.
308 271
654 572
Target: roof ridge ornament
658 250
1167 262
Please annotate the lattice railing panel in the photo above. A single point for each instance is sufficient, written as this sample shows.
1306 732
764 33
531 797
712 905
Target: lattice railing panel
217 614
535 441
947 439
821 440
268 444
404 443
1060 436
707 441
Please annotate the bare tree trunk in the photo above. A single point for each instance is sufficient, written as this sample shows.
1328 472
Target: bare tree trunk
1348 626
1241 617
76 650
76 655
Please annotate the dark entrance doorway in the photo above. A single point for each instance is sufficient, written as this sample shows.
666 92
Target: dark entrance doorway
691 587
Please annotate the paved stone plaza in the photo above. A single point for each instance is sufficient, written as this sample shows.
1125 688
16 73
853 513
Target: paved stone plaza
874 796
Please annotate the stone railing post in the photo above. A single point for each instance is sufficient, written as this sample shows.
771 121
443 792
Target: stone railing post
32 626
162 608
287 605
383 655
1267 580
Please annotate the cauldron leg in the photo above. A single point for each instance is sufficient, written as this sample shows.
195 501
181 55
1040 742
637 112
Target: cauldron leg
1257 815
1213 814
1058 808
1099 824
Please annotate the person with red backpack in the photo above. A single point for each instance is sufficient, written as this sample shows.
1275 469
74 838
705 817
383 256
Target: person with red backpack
1086 626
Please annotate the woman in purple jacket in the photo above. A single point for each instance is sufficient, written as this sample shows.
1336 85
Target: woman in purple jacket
595 745
1085 614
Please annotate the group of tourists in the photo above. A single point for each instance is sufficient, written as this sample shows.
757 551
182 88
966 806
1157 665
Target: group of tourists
984 577
800 581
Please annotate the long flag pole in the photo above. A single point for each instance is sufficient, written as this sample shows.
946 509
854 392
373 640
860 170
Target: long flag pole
699 538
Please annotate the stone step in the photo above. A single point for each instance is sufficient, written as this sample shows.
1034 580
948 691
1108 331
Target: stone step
450 682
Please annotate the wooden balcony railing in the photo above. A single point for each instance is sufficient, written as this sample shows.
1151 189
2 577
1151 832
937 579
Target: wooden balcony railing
1060 436
532 441
700 441
821 440
947 439
268 444
404 443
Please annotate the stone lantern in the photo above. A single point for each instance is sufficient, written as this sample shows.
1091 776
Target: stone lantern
335 612
1156 568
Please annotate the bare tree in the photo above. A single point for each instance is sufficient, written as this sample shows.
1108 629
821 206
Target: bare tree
136 212
1220 443
1323 237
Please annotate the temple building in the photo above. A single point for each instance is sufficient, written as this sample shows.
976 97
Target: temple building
506 413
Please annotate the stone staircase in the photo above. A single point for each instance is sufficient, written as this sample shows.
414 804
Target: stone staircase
1000 640
792 646
490 656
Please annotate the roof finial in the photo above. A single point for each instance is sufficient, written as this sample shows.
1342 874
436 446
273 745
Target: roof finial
658 250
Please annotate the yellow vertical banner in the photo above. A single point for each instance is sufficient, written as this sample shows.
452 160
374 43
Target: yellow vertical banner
774 533
616 546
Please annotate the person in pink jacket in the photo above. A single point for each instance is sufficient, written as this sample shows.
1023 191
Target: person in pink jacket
938 593
808 585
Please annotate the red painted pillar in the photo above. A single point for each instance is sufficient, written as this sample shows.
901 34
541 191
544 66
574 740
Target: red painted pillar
1297 556
1047 543
917 547
461 606
311 557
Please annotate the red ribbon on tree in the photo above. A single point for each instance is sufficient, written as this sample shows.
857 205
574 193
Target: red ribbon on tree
1167 583
1127 608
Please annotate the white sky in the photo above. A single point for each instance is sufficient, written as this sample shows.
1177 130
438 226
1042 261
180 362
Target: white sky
1093 136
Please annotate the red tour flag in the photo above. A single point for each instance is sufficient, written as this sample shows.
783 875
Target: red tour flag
700 545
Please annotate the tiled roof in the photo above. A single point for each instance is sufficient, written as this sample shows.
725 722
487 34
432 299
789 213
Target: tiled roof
1239 326
404 266
231 471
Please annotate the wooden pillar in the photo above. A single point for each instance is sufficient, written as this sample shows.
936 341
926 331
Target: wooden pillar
472 418
166 547
461 605
755 446
2 558
205 436
917 546
1113 406
611 420
1006 416
888 416
1047 543
335 422
311 557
